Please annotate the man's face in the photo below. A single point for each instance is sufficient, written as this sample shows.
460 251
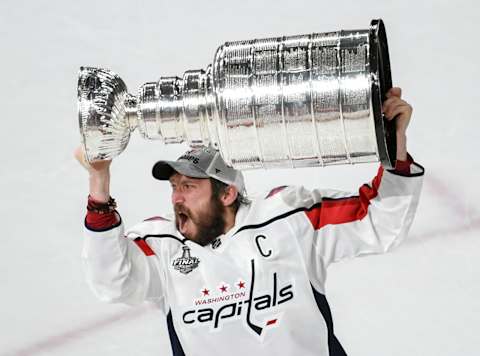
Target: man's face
199 216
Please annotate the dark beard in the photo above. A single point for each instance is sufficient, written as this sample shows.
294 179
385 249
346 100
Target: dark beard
210 223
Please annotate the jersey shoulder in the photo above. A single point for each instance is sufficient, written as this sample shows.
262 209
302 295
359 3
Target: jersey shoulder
287 198
155 225
275 203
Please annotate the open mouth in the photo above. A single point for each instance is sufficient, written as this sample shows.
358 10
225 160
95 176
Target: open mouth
182 219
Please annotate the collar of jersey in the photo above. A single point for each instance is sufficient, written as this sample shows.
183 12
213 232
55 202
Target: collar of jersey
239 221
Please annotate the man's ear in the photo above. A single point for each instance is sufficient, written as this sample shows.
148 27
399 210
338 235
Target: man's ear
229 196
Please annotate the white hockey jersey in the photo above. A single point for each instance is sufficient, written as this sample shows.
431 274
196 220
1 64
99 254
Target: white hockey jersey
259 288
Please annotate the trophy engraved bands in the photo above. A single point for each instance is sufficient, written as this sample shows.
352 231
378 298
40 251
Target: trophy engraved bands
297 101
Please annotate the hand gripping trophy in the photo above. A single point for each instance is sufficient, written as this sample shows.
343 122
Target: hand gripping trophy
297 101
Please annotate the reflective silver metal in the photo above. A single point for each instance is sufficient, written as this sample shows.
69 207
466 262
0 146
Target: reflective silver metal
298 101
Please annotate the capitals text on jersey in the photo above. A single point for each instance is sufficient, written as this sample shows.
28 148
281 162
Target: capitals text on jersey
236 310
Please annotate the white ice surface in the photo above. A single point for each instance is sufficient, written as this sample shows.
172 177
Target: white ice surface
421 299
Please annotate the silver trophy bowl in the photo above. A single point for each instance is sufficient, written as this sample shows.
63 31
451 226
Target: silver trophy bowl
296 101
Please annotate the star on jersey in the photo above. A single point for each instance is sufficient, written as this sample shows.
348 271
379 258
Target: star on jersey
241 284
224 288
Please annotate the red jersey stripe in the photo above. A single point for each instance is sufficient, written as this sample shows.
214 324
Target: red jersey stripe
271 322
144 247
332 212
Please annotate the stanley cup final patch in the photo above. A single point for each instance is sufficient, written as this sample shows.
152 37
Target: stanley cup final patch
186 263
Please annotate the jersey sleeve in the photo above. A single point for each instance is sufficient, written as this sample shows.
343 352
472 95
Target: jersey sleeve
340 225
119 270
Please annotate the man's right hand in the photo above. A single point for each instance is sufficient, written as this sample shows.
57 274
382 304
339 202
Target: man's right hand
99 175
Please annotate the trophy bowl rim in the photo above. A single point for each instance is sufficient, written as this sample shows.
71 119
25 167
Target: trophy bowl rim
382 82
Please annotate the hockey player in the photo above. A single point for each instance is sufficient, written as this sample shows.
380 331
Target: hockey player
242 277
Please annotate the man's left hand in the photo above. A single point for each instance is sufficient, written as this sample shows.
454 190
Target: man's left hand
395 107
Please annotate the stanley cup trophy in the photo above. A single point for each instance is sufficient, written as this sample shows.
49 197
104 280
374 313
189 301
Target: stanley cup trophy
297 101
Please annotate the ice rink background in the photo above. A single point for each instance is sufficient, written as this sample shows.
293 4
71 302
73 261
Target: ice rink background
421 299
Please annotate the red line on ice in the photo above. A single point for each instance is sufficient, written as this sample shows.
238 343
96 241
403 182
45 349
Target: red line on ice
84 330
453 201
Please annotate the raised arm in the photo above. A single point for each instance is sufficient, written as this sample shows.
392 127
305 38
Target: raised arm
375 219
116 268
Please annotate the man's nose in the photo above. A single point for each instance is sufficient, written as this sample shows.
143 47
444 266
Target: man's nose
177 197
